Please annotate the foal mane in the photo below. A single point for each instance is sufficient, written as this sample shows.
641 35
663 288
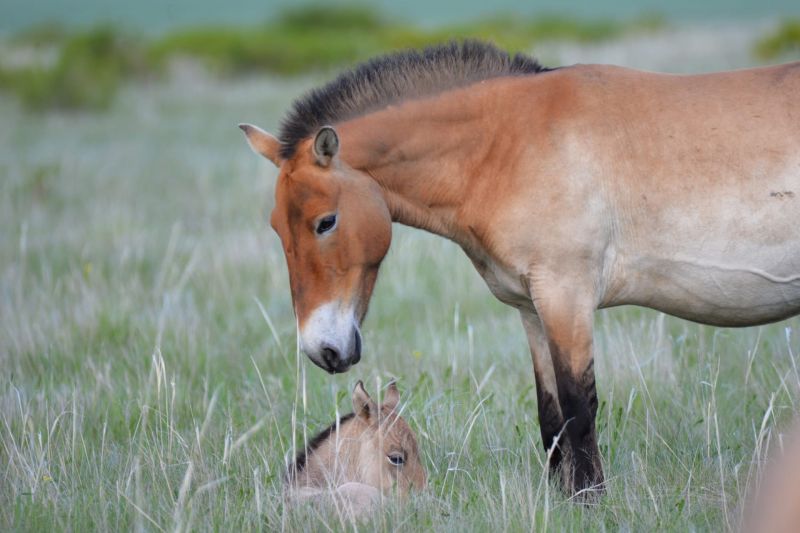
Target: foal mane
394 77
302 456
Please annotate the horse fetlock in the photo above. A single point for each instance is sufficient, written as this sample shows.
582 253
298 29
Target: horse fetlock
588 466
581 469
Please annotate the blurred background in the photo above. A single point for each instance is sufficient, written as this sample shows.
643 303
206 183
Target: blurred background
49 49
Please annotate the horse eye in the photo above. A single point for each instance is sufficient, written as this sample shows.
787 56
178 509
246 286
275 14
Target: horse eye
326 224
397 459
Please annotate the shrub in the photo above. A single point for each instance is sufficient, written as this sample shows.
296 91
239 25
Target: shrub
322 37
46 34
300 39
92 64
324 17
89 69
785 39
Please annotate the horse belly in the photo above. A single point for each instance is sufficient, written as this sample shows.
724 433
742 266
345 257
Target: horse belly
733 292
723 250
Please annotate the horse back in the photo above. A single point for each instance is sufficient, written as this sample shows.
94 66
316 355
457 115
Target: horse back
695 180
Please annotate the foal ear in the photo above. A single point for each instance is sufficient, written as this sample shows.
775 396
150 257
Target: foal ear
262 143
326 145
391 397
363 405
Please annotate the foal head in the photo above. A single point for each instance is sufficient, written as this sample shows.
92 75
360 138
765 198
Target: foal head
335 229
374 446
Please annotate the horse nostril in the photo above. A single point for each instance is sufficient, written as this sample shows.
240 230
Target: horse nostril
330 356
357 349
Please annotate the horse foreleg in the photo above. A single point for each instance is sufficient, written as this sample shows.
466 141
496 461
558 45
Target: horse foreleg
551 421
567 321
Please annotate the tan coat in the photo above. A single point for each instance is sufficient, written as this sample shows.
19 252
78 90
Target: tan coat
368 454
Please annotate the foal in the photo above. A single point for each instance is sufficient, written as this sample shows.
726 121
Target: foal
364 455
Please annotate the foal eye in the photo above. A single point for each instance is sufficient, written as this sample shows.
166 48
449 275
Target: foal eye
397 459
326 224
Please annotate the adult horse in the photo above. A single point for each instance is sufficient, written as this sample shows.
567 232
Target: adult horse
570 189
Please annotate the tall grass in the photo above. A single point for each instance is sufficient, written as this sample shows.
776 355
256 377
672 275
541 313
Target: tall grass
149 377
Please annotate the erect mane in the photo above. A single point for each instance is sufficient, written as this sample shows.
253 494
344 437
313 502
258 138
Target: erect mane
398 76
302 457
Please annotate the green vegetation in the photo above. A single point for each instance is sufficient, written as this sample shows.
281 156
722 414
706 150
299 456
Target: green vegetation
142 387
783 41
91 64
86 74
324 37
46 34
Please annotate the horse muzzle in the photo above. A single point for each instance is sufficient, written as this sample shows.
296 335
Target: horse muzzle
331 339
333 361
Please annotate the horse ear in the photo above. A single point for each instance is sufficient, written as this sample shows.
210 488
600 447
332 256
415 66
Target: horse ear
326 145
262 143
391 397
363 405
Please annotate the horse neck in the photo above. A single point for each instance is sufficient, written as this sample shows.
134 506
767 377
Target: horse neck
423 154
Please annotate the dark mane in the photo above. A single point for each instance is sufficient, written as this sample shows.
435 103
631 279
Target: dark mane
300 461
397 76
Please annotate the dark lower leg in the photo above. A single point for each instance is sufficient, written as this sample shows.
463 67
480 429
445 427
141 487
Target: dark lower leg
550 424
578 401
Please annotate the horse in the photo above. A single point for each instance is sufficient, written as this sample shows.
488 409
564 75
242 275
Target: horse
570 189
363 456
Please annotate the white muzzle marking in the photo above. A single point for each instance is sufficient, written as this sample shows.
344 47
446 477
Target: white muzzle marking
331 326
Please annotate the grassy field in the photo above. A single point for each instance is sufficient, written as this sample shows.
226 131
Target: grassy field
149 377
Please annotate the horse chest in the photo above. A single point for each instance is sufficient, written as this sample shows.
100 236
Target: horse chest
504 283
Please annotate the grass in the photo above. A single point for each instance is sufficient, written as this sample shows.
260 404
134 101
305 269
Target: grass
149 378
